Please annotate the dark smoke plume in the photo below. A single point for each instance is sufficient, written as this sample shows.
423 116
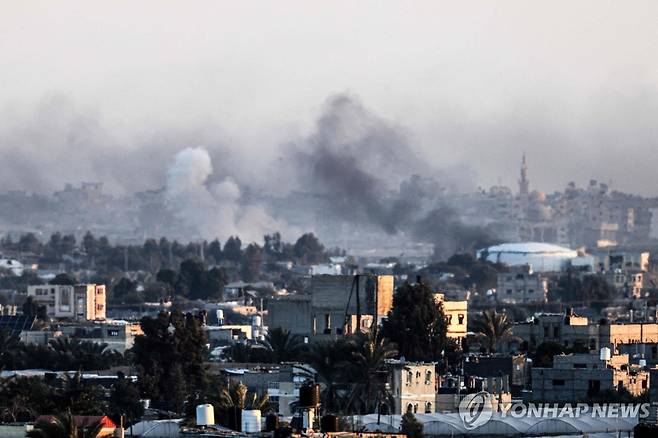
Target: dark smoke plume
355 162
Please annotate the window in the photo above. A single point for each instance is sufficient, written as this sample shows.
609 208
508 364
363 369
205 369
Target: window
410 377
558 382
509 291
556 332
428 407
449 317
428 377
546 331
531 291
410 408
65 300
416 408
460 318
580 365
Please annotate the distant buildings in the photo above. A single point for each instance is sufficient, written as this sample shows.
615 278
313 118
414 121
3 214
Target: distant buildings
77 302
579 377
639 340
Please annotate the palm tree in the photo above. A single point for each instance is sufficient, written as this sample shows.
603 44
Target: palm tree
328 359
9 345
367 370
283 345
63 426
236 395
494 327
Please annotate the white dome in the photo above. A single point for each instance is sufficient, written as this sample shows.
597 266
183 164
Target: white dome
543 257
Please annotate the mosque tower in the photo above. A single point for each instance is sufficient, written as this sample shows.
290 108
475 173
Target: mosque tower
524 183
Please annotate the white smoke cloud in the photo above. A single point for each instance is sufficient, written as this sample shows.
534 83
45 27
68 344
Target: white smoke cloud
213 209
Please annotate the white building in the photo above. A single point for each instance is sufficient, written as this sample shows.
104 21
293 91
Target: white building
79 302
12 265
542 257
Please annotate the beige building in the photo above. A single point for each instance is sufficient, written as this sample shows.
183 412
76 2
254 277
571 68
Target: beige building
457 316
78 302
412 386
336 305
639 340
580 376
627 282
521 285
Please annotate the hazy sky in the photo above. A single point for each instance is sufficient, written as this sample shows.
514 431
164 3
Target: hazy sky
572 83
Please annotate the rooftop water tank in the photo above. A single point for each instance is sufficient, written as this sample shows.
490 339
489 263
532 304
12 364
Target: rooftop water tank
250 421
605 353
205 415
309 395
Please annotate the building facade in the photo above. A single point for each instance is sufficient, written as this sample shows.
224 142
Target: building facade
412 387
456 313
580 376
77 302
521 285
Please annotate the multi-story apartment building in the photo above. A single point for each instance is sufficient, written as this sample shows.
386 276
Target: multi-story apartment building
336 305
521 285
456 313
77 302
581 376
412 387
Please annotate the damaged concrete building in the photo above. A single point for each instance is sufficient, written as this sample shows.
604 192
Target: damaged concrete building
336 305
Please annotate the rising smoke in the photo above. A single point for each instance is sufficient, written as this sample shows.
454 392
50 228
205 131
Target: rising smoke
212 209
355 161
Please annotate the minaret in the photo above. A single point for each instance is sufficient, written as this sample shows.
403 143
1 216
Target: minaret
524 184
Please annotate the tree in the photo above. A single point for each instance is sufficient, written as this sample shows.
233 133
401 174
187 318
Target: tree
236 395
170 357
233 249
543 357
23 398
63 426
283 345
328 359
215 250
125 400
366 370
416 323
494 327
410 426
192 279
124 291
64 279
167 276
309 250
30 307
9 344
250 266
79 397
